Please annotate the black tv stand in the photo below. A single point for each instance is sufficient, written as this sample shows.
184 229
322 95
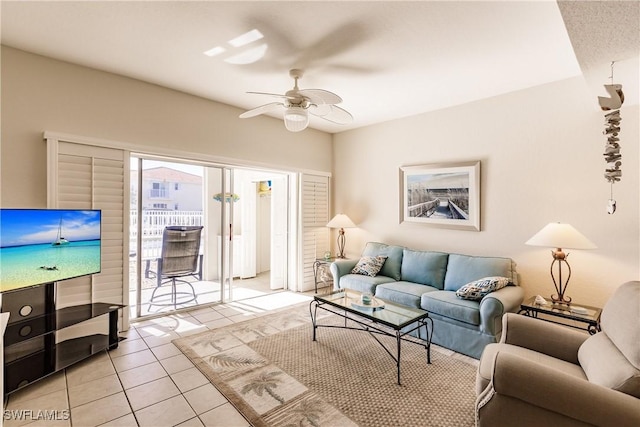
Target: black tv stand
30 349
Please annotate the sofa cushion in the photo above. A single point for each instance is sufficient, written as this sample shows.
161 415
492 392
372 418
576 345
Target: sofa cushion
369 265
462 269
605 365
424 267
391 267
361 283
447 304
620 321
478 289
405 293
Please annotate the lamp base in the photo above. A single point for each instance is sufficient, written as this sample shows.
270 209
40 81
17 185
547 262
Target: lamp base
341 241
560 299
560 258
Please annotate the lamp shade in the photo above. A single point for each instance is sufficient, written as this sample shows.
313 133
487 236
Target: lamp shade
559 235
341 221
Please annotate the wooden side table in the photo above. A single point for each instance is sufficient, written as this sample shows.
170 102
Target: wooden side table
556 312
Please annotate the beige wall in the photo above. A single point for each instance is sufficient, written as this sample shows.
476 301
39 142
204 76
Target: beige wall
40 94
541 153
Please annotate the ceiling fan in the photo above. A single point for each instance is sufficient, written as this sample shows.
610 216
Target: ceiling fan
298 103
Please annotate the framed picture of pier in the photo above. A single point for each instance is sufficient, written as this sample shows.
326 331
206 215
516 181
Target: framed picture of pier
443 195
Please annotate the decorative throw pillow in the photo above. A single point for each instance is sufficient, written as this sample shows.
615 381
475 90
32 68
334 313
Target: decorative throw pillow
477 289
369 265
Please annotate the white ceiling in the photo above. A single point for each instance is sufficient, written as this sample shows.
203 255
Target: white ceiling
385 59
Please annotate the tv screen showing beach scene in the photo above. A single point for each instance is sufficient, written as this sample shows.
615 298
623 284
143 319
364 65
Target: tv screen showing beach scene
47 245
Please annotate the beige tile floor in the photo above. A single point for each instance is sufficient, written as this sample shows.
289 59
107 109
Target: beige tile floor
146 381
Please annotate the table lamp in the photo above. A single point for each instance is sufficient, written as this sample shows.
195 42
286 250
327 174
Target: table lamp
557 235
341 221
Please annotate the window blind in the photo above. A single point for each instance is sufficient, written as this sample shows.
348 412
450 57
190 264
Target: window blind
91 177
314 218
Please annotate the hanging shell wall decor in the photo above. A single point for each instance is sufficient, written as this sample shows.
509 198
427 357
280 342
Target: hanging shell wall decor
612 156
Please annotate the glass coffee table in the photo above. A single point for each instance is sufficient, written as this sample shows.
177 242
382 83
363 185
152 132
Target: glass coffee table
379 317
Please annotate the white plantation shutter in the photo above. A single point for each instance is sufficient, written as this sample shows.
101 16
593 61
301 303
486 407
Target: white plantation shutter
91 177
314 218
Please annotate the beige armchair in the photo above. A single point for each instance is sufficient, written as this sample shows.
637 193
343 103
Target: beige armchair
544 374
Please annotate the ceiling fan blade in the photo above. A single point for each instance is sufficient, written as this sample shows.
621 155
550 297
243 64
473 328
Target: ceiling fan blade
326 49
332 113
277 95
320 110
320 96
267 108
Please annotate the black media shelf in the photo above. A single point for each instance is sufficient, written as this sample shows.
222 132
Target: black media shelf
49 360
59 319
30 349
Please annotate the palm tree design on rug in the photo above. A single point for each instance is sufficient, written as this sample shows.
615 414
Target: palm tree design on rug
284 322
259 331
233 361
310 410
265 382
211 342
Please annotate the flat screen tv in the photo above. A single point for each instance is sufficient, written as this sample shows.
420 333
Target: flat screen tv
40 246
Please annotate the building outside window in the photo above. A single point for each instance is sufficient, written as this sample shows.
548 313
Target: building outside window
171 189
158 191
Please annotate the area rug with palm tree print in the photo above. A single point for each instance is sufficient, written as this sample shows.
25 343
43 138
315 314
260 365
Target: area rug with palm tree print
272 371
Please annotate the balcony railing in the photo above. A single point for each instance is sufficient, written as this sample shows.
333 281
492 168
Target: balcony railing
153 224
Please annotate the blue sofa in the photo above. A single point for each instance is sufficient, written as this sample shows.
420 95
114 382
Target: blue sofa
429 280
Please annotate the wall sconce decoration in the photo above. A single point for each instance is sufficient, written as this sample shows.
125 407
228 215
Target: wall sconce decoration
264 188
228 197
612 156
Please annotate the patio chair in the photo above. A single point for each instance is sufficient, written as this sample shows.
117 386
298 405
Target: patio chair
180 258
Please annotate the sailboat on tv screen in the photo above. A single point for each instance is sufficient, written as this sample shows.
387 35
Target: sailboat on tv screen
60 241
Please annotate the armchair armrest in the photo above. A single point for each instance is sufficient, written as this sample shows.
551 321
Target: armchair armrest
496 304
543 395
339 268
548 338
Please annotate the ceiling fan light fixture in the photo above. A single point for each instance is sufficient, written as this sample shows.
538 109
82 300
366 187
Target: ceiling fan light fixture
298 104
296 119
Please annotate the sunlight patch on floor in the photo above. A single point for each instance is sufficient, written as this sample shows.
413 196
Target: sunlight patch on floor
275 301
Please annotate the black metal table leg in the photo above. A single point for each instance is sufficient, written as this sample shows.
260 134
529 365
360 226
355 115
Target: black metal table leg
316 264
429 337
398 342
314 315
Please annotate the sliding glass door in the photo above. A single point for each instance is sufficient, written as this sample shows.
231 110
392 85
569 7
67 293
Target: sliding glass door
242 247
261 247
169 212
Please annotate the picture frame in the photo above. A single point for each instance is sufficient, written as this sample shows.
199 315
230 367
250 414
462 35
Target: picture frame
445 195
